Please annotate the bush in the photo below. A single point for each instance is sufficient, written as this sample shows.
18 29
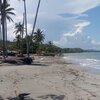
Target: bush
49 54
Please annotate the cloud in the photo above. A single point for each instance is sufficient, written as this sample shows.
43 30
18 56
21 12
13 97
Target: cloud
78 28
68 6
77 39
80 6
94 42
81 26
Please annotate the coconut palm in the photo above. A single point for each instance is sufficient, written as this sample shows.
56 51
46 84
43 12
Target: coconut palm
5 12
38 38
19 28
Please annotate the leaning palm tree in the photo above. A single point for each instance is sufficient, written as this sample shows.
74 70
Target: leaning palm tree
38 38
36 15
5 13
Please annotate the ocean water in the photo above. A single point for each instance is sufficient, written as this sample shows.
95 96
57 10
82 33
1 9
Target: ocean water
86 59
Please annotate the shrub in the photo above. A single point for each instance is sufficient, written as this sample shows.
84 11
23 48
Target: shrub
49 54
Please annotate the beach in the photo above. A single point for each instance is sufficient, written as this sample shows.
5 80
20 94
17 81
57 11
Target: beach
49 78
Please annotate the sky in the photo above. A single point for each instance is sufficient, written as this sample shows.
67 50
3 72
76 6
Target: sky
68 23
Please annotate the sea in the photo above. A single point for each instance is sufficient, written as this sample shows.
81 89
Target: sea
89 60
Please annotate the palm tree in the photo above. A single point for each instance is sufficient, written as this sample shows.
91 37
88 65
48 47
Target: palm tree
25 15
5 11
38 38
36 17
19 28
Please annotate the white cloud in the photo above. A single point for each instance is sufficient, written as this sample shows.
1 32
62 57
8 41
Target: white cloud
77 38
94 42
78 28
81 6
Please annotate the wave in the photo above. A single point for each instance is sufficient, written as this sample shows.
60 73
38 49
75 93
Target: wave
86 62
96 60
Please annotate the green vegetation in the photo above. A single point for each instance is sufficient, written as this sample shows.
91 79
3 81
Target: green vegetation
72 50
40 47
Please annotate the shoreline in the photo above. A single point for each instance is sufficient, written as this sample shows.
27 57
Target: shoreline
49 77
90 68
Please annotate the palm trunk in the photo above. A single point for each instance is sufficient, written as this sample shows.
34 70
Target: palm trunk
36 17
0 25
6 37
21 40
27 42
0 31
23 33
3 30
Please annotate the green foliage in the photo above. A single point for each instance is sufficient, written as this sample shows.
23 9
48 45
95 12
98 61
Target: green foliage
19 28
38 37
46 49
72 50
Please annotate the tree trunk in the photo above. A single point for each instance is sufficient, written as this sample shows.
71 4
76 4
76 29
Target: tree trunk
0 24
3 29
6 37
27 42
36 17
0 31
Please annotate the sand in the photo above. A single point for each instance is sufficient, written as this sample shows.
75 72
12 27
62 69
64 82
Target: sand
49 78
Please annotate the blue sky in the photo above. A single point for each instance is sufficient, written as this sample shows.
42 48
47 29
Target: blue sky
68 23
94 18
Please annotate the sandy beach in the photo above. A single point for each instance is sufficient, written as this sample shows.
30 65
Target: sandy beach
49 78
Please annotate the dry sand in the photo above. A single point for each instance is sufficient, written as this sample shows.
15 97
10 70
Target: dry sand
50 78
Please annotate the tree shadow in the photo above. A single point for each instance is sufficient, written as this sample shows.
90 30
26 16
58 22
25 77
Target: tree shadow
1 98
23 96
53 97
39 64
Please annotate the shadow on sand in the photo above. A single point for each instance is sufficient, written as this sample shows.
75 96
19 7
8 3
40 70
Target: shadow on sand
25 96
